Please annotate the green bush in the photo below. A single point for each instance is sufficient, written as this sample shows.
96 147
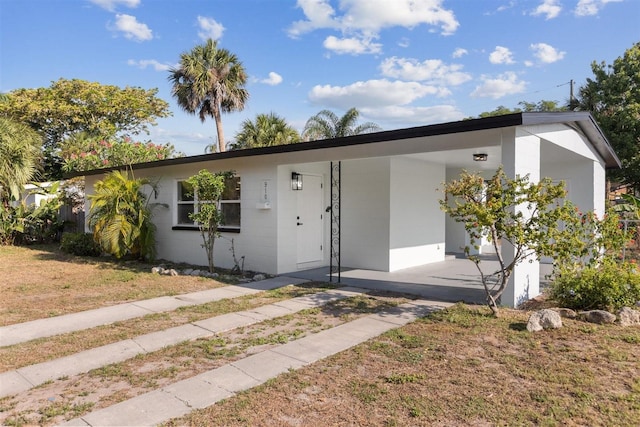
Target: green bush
608 286
81 244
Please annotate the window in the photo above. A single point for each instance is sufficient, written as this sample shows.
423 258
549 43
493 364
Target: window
229 205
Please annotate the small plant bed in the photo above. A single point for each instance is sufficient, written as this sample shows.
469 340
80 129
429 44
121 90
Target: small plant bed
456 367
70 397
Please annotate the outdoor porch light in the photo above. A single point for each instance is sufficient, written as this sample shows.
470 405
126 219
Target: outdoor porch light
480 157
296 181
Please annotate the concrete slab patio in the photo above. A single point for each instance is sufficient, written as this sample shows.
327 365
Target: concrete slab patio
454 280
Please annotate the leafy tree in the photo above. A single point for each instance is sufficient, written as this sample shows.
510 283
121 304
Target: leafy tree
326 124
265 131
613 97
19 158
525 107
208 188
210 81
121 216
489 209
81 152
71 106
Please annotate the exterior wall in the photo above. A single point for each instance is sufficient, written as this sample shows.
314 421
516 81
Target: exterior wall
256 240
417 225
365 213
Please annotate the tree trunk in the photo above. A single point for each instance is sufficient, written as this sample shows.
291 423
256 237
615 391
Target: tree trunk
221 145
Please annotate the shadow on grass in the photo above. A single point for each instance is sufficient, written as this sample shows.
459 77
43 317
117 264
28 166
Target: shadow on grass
518 326
52 252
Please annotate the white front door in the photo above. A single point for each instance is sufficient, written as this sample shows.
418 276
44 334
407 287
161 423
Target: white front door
309 219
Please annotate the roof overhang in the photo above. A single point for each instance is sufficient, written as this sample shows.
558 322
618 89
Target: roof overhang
581 121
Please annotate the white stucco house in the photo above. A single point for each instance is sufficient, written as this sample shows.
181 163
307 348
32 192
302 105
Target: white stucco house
371 201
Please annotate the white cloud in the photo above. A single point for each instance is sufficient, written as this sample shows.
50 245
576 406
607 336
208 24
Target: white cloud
431 70
111 5
362 20
550 8
404 42
131 28
546 53
412 115
274 79
351 45
373 93
370 16
504 84
459 52
501 55
591 7
157 66
210 29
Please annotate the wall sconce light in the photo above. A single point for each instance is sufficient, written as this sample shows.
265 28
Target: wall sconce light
296 181
480 157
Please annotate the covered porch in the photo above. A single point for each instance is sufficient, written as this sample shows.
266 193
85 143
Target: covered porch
456 279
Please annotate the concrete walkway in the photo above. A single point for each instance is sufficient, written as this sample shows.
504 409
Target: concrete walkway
23 379
42 328
206 389
203 390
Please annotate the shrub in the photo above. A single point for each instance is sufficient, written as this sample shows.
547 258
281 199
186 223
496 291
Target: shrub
81 244
608 286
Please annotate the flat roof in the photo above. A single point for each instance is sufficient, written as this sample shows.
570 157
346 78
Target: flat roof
582 119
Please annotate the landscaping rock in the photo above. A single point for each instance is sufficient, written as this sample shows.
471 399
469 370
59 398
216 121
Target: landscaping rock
567 313
544 319
627 316
157 270
195 272
598 316
259 277
187 271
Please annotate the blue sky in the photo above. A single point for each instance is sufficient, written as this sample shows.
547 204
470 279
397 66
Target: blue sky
400 62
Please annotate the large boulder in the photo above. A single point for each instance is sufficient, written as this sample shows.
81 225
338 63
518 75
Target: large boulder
544 319
600 317
627 316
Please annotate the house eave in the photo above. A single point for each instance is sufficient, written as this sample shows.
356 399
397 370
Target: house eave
584 120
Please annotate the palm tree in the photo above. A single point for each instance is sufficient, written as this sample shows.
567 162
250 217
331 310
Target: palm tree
210 81
121 216
327 124
267 130
19 158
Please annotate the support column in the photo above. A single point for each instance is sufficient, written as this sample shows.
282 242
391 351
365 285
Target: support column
521 156
336 228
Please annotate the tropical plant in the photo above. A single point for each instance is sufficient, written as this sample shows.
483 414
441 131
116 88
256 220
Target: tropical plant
120 216
21 223
82 152
19 158
326 124
267 130
42 223
210 81
208 189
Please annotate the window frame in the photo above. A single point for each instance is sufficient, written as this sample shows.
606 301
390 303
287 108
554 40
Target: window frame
194 202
